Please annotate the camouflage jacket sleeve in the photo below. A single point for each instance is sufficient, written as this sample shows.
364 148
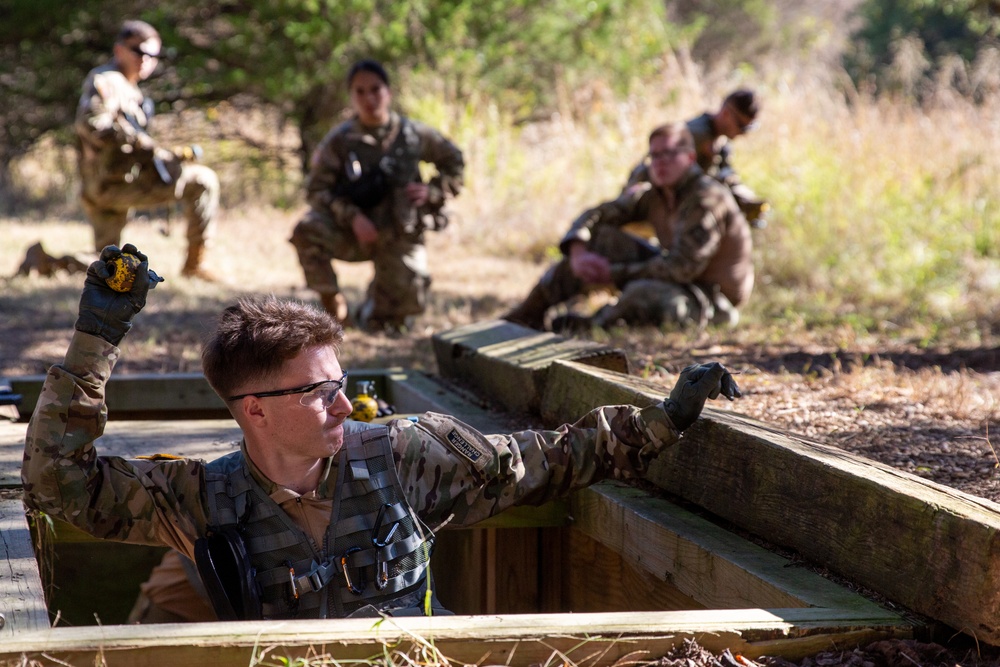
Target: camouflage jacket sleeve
447 158
138 501
453 473
110 111
632 205
697 233
326 168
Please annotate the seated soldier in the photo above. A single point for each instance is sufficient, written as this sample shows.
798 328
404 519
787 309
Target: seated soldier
699 269
713 133
314 516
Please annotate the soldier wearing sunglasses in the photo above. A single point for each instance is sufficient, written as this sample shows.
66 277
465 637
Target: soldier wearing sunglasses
122 167
314 516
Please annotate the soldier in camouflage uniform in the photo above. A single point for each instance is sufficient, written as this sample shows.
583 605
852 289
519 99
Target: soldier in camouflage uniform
712 134
368 203
699 269
121 167
335 517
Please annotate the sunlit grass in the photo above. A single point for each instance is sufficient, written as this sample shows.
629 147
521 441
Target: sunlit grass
884 217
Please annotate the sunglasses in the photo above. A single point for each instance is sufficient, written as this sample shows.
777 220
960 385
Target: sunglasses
320 394
137 50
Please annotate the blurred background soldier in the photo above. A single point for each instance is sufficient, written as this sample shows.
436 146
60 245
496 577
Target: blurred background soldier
121 167
369 203
697 269
712 134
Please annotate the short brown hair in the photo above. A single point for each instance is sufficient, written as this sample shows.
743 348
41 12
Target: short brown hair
676 133
744 101
137 31
254 338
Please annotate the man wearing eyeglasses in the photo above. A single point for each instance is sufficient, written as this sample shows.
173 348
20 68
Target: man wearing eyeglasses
696 270
713 134
122 167
314 516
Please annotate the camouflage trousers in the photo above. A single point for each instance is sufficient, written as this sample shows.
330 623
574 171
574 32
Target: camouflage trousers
641 301
195 186
399 287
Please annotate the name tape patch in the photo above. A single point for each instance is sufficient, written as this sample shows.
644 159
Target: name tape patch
463 446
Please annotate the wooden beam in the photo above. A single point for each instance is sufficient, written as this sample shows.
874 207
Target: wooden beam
597 640
715 566
22 598
928 547
509 363
199 438
189 396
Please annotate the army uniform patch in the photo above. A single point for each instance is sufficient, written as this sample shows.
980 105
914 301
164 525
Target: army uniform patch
463 446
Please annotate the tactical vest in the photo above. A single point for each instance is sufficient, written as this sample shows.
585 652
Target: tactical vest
376 552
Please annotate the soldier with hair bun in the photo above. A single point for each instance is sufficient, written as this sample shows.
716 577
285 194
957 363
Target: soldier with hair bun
368 202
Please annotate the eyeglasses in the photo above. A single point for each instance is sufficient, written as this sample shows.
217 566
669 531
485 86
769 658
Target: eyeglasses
667 154
318 395
137 50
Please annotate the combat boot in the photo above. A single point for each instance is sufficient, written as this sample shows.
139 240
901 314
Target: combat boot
531 312
335 303
192 265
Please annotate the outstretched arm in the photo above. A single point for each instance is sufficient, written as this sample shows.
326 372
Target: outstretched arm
450 469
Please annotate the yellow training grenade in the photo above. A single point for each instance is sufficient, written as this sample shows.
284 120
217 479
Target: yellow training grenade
364 404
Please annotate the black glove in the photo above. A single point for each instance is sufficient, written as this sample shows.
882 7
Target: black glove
696 384
105 312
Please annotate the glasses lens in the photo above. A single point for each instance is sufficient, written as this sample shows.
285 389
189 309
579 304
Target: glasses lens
137 50
324 395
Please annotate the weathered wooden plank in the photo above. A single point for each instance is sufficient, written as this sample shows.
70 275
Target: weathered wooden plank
717 567
930 548
508 362
598 640
200 438
22 598
189 396
598 579
148 394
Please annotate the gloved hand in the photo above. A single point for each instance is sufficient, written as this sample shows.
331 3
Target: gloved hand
105 312
696 384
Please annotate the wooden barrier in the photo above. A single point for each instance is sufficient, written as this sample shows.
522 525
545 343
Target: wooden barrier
924 546
22 600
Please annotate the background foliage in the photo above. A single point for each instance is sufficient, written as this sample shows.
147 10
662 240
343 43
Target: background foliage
878 144
523 54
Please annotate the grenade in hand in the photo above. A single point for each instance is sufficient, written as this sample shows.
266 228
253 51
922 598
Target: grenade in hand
364 404
123 269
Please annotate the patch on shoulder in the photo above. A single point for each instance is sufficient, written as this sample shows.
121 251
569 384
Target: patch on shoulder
469 450
160 457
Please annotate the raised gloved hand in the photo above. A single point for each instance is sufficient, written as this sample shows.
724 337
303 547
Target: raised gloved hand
696 384
107 311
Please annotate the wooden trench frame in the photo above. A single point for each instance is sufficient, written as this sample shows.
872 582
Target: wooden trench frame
922 546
